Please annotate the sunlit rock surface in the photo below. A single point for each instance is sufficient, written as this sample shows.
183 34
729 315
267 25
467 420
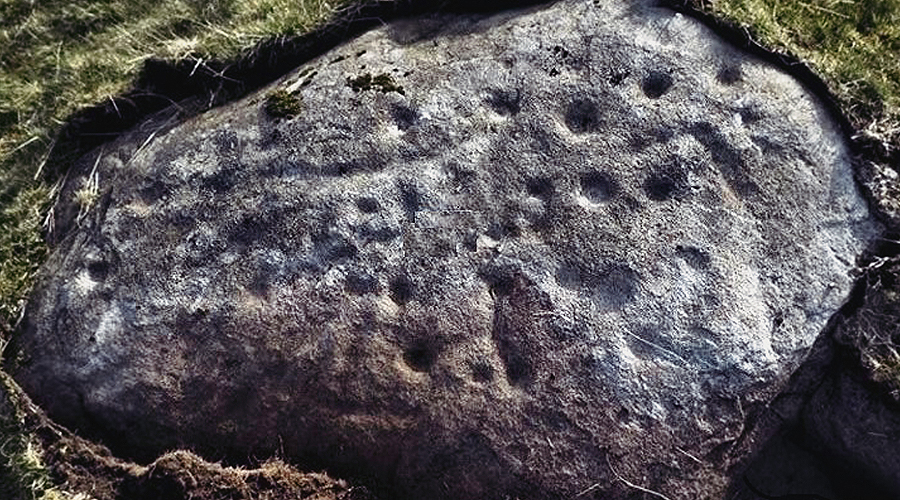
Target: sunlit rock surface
532 255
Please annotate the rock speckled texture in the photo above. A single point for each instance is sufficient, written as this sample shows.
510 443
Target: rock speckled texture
531 255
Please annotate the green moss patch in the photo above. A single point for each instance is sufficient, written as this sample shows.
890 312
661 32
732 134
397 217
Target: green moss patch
283 104
383 83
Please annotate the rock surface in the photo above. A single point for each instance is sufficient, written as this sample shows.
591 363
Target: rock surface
853 414
848 422
560 252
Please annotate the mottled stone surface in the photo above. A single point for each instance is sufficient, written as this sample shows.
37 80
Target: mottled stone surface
531 255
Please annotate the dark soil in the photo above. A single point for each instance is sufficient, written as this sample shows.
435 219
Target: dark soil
81 466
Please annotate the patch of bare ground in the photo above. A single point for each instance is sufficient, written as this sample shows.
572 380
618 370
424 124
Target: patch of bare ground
84 470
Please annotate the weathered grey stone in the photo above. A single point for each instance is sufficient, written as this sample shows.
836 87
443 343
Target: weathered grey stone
561 252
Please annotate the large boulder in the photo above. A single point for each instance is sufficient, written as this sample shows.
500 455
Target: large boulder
568 251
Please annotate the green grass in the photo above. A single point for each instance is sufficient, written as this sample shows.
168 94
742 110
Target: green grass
21 247
59 56
853 44
23 475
